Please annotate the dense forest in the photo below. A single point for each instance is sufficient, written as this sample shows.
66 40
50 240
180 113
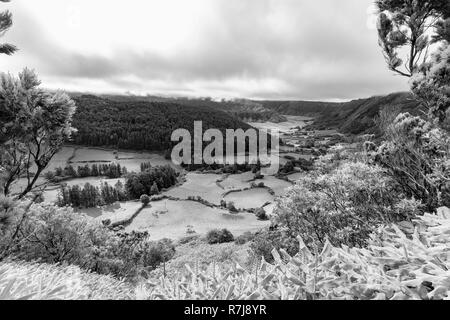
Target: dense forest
141 125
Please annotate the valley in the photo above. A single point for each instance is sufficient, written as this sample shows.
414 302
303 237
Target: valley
201 201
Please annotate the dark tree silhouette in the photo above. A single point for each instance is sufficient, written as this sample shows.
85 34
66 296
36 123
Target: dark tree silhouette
5 24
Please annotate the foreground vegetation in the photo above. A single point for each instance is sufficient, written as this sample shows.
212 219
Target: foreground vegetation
368 222
395 265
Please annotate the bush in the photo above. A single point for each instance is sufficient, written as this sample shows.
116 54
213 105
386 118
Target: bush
416 156
344 206
145 199
58 235
244 238
261 214
231 207
219 236
33 281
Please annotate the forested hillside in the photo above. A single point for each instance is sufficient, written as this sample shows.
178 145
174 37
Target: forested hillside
141 125
357 116
354 117
243 109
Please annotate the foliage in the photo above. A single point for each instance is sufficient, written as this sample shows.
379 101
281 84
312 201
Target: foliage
432 86
422 28
137 184
90 196
404 23
416 155
343 206
145 199
394 266
111 170
34 123
5 25
58 235
33 281
244 238
219 236
141 125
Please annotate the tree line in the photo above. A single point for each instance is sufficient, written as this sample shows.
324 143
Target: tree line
110 170
149 182
141 125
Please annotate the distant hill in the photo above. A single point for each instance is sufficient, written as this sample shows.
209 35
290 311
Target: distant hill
357 116
245 110
300 108
354 117
141 125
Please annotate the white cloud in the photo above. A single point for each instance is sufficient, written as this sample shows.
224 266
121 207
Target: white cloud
302 49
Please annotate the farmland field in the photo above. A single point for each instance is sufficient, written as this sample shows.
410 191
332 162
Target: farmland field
283 127
254 198
199 185
171 219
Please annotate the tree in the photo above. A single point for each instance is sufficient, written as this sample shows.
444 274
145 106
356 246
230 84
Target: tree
420 31
34 124
406 23
154 190
5 25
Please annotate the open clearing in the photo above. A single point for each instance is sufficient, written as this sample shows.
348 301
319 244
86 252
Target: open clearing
116 212
129 159
249 199
174 222
295 176
237 181
199 185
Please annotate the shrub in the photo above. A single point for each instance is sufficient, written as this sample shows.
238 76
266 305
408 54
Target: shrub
261 214
415 154
244 238
345 206
219 236
33 281
394 266
58 235
145 199
231 207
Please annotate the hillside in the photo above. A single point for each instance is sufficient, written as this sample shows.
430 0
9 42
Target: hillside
357 116
352 117
141 125
300 108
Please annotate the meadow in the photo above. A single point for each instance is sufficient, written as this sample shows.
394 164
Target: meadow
180 212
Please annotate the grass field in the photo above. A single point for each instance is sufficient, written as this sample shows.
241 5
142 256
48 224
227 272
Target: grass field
169 218
277 185
249 199
201 185
116 212
237 181
174 222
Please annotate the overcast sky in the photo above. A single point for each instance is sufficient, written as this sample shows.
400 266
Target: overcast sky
267 49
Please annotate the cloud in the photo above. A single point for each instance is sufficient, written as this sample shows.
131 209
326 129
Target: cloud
291 49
